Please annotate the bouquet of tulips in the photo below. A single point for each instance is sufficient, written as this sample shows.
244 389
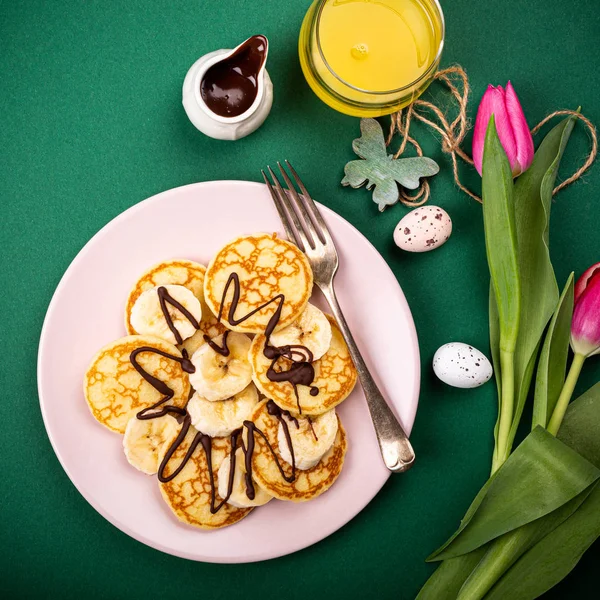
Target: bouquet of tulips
540 509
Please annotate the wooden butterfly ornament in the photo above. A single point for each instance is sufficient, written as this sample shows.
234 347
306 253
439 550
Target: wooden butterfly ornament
381 170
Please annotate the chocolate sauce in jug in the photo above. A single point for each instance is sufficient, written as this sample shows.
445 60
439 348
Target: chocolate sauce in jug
230 86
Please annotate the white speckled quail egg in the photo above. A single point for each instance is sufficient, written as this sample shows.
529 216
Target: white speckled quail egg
423 229
461 365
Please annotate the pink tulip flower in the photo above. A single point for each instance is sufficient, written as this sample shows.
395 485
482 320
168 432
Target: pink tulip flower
511 125
585 326
585 338
584 279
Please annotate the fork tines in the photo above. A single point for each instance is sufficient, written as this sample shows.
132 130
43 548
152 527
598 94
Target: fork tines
298 212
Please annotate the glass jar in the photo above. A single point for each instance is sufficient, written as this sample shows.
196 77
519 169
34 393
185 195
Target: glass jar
368 59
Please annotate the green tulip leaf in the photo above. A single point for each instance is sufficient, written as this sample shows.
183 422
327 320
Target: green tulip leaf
500 237
557 551
504 551
580 428
502 257
382 171
539 290
449 577
546 549
553 557
541 475
494 329
539 296
552 365
495 335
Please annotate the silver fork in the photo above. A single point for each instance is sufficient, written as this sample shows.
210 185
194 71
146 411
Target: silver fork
305 227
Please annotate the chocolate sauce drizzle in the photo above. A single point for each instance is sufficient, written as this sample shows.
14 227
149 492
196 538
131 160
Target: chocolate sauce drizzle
158 385
301 372
222 350
251 427
200 438
165 298
206 442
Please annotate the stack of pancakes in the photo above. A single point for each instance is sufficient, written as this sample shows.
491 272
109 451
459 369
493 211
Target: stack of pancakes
220 383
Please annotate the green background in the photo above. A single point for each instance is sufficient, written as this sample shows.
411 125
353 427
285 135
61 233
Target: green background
92 123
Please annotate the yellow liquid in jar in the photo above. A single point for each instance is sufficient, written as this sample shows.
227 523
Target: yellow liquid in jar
356 53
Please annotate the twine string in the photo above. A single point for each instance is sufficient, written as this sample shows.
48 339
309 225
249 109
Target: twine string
593 150
453 133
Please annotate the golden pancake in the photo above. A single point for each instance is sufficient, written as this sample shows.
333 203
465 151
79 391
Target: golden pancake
115 391
308 484
177 272
266 267
335 377
188 495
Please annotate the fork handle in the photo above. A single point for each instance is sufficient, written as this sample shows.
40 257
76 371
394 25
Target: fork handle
396 450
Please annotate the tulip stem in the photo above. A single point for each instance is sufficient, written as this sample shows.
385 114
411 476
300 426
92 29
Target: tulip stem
565 395
507 368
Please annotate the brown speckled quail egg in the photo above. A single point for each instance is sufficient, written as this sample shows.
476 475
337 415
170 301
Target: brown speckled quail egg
461 365
423 229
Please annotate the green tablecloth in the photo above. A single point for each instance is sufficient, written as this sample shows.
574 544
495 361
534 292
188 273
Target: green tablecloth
92 123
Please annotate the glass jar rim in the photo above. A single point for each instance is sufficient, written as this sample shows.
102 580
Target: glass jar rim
424 75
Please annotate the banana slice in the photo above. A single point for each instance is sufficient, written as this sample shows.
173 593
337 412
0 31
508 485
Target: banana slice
147 317
311 439
220 419
238 497
219 377
144 440
177 271
274 475
311 330
335 377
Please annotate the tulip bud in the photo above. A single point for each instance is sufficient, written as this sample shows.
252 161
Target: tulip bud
585 326
511 126
582 282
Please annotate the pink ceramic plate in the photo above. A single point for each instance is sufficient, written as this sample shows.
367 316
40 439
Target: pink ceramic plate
86 312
